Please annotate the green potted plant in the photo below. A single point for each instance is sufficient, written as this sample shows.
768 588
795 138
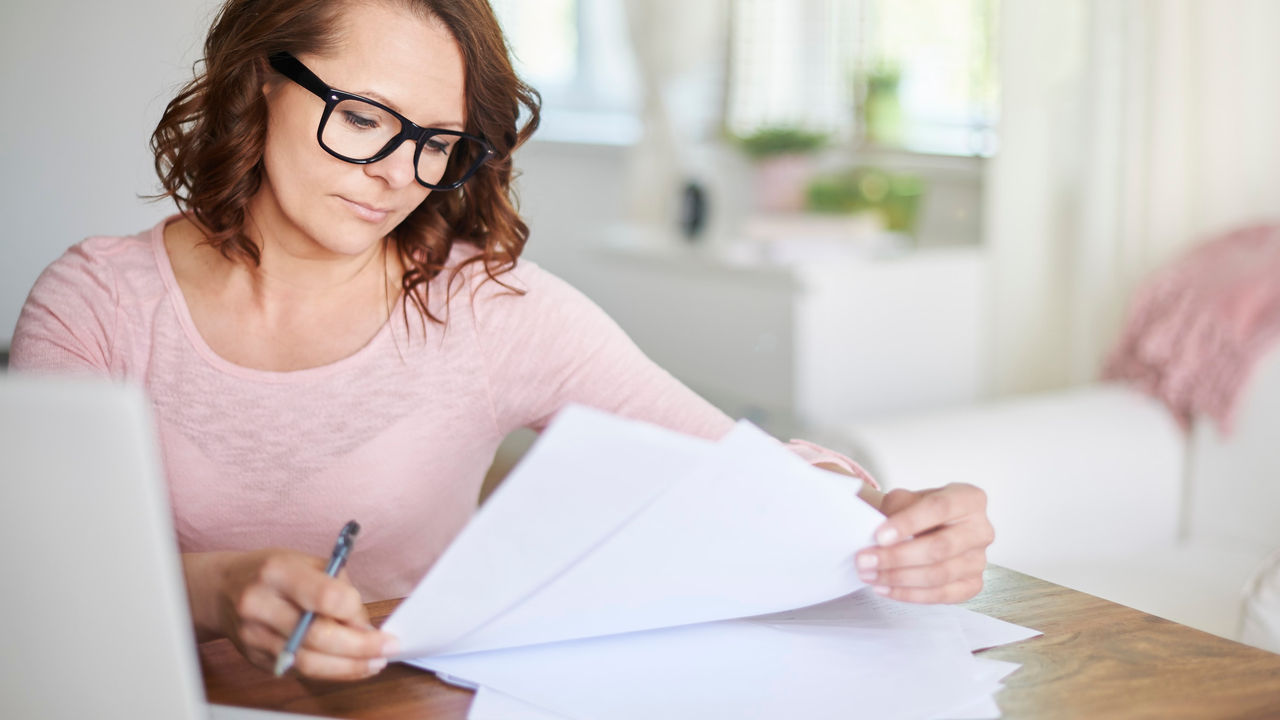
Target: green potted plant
881 106
783 159
894 197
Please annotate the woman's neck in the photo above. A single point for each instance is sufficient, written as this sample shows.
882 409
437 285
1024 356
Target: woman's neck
293 268
294 311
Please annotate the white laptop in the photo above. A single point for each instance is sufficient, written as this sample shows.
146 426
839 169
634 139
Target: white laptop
94 620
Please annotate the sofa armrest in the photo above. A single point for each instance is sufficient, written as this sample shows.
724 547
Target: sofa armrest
1235 477
1068 475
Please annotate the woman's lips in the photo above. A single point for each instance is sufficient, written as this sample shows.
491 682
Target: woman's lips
365 212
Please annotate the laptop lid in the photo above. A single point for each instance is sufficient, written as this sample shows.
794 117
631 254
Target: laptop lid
94 617
94 621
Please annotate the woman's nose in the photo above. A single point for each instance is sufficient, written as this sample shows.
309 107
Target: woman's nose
397 168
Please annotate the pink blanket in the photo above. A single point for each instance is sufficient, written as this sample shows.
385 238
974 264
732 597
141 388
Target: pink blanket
1197 327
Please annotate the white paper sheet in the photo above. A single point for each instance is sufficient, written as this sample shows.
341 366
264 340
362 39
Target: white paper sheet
489 704
585 477
864 608
982 707
738 669
979 704
743 528
994 670
624 571
984 631
989 673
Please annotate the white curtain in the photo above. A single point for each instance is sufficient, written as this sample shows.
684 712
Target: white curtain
1131 129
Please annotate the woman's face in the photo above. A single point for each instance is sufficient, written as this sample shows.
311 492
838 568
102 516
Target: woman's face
324 207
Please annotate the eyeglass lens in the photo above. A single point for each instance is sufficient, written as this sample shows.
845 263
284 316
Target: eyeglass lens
359 130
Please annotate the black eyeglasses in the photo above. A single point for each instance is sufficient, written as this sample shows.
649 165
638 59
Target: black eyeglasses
366 131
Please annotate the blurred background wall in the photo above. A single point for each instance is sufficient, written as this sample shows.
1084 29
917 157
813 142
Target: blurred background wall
1049 154
88 82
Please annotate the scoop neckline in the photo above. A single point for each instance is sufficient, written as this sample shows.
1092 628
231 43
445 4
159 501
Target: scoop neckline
179 303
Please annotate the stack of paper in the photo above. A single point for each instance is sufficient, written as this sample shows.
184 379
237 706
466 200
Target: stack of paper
626 571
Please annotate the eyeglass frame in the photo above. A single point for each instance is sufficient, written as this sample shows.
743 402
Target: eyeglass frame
291 67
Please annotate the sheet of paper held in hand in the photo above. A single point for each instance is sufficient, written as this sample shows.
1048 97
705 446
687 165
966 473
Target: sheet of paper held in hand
607 576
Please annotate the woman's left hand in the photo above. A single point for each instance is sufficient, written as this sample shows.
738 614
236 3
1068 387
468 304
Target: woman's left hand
932 547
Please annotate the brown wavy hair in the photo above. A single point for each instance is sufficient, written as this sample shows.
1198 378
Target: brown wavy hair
209 143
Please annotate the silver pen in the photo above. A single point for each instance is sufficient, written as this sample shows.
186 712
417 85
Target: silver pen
346 540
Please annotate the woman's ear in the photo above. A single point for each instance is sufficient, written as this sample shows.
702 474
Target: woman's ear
269 78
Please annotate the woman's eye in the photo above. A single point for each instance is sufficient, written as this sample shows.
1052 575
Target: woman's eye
360 121
438 146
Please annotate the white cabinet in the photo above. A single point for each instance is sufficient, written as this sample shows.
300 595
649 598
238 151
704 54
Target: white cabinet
804 344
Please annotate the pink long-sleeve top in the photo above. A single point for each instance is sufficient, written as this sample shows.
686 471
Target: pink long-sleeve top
398 435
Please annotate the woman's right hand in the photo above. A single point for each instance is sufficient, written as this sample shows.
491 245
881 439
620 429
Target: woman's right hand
256 598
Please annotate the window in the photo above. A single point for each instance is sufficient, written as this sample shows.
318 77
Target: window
790 65
917 75
578 55
544 38
913 74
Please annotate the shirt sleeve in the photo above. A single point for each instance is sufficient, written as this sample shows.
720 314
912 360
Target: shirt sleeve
69 321
552 346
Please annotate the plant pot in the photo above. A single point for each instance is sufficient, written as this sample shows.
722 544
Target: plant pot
780 182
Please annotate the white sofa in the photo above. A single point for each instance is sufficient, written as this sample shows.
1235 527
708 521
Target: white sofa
1098 489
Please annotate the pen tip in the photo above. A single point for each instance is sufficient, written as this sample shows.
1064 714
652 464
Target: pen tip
284 661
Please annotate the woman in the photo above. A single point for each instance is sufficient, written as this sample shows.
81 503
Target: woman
336 325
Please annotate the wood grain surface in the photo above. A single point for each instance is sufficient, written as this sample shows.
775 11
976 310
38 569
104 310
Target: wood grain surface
1096 659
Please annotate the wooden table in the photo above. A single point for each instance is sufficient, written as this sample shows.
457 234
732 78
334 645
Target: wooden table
1096 659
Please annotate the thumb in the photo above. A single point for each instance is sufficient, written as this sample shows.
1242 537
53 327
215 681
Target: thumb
362 621
897 500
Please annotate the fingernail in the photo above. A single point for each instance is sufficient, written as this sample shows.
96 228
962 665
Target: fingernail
887 535
881 590
390 647
867 576
867 561
376 666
